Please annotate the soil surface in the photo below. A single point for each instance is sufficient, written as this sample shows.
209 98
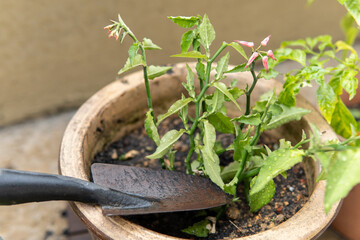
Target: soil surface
237 221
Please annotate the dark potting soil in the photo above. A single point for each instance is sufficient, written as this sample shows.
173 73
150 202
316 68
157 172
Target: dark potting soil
291 193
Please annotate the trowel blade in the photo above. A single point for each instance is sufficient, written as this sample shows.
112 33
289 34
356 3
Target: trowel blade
171 191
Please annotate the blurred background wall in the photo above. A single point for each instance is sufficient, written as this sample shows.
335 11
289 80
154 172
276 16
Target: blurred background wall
55 53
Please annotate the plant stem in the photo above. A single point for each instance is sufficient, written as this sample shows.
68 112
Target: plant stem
198 107
248 93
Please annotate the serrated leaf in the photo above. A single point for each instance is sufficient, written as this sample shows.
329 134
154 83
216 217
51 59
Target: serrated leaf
222 88
200 70
295 55
341 45
275 163
271 74
166 143
137 61
342 120
133 52
185 22
211 159
174 108
343 175
192 54
353 7
229 171
290 89
263 197
151 129
157 71
199 229
206 32
349 82
221 123
189 85
239 68
296 43
253 119
222 66
216 102
239 49
149 45
186 40
230 187
288 114
327 100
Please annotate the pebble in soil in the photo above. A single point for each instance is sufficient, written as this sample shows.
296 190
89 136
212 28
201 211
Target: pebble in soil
291 193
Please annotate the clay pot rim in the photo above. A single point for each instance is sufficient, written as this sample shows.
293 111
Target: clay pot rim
71 153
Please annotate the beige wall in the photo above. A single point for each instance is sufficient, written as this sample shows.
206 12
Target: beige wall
55 54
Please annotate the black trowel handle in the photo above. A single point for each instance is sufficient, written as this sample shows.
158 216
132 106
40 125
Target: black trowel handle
21 187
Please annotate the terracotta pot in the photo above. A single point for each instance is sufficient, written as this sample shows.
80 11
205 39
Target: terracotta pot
120 107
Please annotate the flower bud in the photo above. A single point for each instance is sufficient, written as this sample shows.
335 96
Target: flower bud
265 41
265 63
252 58
244 43
271 54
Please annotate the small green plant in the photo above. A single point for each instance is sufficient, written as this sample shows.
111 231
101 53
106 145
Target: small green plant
253 165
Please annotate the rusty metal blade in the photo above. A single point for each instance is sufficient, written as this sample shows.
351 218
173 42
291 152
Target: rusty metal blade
172 191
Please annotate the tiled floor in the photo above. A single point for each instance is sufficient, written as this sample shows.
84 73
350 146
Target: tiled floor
34 146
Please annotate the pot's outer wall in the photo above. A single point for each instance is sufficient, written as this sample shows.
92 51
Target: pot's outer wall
102 118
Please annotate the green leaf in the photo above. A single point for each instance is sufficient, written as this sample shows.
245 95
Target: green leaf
229 171
349 82
239 68
295 43
253 119
287 115
216 102
343 175
353 7
185 22
295 55
149 45
341 45
137 61
347 25
327 100
206 32
342 120
166 143
186 40
151 129
199 229
200 70
221 123
157 71
271 74
222 88
263 197
222 66
211 159
189 85
230 187
176 107
192 54
276 162
239 49
290 89
133 51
